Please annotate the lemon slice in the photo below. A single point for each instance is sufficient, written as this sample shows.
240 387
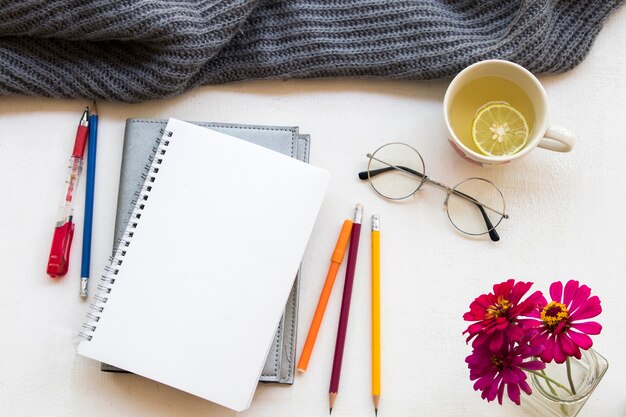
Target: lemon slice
498 129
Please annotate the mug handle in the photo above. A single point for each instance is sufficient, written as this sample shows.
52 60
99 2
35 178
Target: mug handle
558 139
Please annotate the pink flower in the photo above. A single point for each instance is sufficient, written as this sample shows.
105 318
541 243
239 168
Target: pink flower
498 315
560 328
495 371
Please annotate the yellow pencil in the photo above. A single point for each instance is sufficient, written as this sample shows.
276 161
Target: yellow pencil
376 311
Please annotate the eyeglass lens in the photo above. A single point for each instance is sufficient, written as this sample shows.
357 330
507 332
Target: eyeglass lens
399 182
472 218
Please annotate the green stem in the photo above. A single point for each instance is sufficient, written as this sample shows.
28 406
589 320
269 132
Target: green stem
569 375
547 378
552 390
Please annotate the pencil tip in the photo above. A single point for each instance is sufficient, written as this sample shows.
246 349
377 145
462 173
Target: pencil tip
331 410
376 412
94 108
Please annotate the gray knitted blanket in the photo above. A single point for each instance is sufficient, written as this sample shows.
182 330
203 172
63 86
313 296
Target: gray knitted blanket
133 50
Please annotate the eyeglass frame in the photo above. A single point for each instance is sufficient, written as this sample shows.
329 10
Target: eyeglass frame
366 175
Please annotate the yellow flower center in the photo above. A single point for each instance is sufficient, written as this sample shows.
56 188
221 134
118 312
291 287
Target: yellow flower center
553 314
499 309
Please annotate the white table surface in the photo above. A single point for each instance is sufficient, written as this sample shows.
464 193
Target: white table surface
566 222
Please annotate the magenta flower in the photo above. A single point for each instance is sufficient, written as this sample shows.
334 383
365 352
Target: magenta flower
499 315
560 328
495 371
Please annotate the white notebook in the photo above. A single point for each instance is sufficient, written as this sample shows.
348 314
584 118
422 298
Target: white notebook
194 294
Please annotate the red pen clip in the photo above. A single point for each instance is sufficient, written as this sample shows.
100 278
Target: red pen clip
59 259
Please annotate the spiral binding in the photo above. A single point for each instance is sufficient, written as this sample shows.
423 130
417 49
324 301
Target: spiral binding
107 280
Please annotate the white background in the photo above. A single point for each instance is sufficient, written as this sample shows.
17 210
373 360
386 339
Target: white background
566 222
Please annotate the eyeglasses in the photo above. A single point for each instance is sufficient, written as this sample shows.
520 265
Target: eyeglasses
474 206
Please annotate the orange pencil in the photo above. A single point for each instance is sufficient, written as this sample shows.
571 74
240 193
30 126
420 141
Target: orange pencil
335 262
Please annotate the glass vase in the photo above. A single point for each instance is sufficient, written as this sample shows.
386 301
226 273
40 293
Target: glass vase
548 399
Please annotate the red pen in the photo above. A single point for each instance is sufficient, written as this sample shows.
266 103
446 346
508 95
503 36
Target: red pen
59 259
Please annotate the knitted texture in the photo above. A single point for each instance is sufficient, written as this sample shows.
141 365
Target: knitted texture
133 50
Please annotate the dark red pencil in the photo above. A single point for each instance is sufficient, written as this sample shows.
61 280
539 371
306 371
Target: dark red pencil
345 306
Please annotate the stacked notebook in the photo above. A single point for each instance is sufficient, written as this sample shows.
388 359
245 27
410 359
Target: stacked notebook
207 257
141 137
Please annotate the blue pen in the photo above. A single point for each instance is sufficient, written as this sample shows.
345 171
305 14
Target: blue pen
91 179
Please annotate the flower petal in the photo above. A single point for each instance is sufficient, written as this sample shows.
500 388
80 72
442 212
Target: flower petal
560 328
501 392
480 371
482 342
496 340
580 297
556 291
518 291
501 323
537 298
530 327
508 376
504 288
569 347
581 340
590 327
483 383
469 316
519 375
539 339
514 395
548 353
570 289
493 389
483 395
588 310
525 387
533 365
515 333
473 329
477 372
559 353
524 307
537 346
483 301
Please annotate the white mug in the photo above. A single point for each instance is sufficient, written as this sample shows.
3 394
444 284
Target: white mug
543 135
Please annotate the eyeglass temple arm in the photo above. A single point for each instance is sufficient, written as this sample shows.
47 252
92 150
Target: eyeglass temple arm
363 174
493 235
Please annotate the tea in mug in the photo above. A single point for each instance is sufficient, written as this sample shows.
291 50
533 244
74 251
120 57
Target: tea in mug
490 98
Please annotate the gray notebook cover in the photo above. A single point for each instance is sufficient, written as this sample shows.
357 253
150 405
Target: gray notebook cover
140 137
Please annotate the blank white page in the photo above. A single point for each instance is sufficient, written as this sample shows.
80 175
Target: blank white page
205 279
